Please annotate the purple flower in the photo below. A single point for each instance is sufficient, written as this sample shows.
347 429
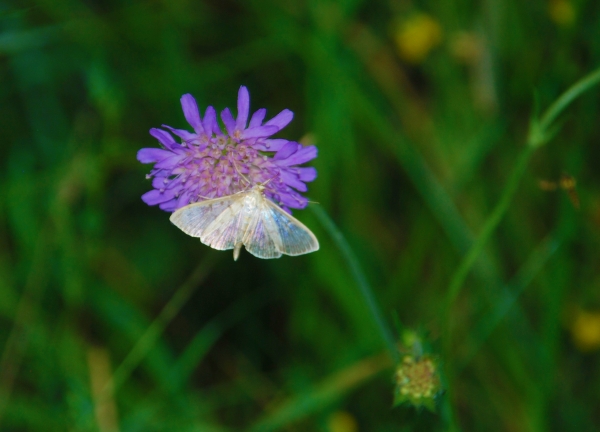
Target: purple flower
208 163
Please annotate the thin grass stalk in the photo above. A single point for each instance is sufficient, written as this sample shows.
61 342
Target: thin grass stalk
567 97
361 281
541 131
156 328
539 134
531 268
25 316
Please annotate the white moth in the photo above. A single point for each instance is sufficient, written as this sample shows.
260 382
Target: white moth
246 218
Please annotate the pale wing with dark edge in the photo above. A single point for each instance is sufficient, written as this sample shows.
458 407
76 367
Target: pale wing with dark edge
290 235
261 238
219 223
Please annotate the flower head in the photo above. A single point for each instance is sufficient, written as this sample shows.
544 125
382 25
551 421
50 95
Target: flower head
562 12
209 163
417 36
417 381
585 330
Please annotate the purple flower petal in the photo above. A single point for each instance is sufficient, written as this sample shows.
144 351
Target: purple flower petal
163 137
159 173
191 113
287 150
170 162
228 121
183 134
169 206
243 108
292 180
160 184
281 120
257 118
184 199
293 200
259 132
307 174
269 145
301 156
275 144
156 197
151 155
210 122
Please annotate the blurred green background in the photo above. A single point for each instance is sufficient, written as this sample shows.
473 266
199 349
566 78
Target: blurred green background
420 110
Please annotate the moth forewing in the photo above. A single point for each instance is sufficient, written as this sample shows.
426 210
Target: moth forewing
246 218
295 237
194 219
225 232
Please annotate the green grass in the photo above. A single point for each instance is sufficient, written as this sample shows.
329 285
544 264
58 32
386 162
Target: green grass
429 214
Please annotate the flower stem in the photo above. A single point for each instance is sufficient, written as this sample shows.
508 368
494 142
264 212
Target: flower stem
539 134
361 280
490 226
567 97
541 131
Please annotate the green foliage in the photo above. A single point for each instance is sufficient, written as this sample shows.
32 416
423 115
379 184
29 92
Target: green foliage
429 210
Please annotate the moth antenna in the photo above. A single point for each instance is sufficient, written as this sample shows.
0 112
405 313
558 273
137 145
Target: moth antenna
269 181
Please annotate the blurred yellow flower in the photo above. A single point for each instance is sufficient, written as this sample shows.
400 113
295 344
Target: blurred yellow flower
466 47
585 330
342 421
562 12
416 37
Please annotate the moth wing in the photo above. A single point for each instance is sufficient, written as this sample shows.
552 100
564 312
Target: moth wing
292 236
228 229
261 239
219 223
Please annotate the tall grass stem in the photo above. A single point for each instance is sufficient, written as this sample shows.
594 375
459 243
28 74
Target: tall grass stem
361 280
540 132
567 97
156 328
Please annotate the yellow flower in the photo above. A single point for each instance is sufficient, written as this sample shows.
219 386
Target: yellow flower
585 330
562 12
416 37
342 421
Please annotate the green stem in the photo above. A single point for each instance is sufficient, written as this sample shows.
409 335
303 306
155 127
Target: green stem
361 280
537 136
516 287
490 226
23 324
462 272
154 330
569 96
541 131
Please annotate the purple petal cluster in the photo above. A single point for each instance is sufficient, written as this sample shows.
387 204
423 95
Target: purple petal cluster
210 163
